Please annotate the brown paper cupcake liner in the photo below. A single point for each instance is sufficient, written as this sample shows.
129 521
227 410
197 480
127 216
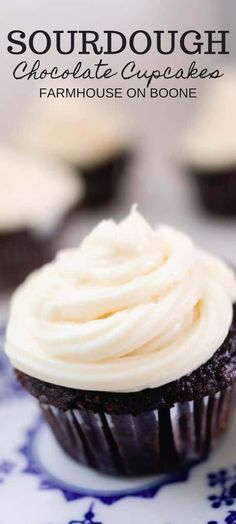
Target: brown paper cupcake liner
217 191
21 253
102 181
163 440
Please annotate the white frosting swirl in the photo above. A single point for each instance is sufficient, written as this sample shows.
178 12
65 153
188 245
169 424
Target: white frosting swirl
131 308
26 183
76 131
210 143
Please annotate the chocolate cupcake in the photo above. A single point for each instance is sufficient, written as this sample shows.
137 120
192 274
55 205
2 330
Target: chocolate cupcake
129 344
89 136
34 199
209 152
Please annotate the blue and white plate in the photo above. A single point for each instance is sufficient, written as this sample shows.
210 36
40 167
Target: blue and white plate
39 484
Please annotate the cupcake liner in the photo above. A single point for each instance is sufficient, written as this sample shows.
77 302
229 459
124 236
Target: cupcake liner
21 252
217 191
102 181
152 442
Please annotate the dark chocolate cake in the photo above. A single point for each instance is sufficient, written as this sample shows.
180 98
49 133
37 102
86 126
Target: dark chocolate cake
202 401
129 344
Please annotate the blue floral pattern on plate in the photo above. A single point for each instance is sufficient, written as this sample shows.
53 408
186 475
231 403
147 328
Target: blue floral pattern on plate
88 517
226 481
55 490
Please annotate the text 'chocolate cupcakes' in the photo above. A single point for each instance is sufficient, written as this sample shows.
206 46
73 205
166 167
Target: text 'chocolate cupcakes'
130 348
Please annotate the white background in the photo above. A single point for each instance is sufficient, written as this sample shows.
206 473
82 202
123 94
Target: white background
157 182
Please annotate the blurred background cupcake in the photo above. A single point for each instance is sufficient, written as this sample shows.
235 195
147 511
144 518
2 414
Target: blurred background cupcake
210 147
154 178
88 136
35 197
